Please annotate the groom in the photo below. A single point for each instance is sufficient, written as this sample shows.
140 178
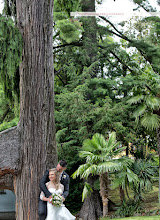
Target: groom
42 206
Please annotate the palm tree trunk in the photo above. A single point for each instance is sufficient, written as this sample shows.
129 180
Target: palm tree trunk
122 195
104 182
92 207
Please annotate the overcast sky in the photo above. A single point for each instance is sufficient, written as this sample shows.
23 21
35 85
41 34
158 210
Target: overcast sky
116 5
111 6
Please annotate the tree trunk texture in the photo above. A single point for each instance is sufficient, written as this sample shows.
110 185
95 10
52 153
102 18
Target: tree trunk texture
122 194
92 206
104 183
36 126
89 36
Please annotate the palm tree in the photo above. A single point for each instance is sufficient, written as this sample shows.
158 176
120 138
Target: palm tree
100 156
146 174
124 180
148 111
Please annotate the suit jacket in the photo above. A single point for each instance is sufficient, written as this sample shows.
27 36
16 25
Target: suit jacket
64 181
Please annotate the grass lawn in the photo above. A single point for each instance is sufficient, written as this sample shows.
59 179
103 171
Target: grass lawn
136 218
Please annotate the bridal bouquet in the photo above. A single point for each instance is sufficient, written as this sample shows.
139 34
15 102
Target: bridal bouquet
57 200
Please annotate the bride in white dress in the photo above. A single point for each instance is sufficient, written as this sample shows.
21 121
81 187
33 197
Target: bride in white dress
54 186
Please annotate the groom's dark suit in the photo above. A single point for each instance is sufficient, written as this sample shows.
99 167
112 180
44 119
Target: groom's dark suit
42 207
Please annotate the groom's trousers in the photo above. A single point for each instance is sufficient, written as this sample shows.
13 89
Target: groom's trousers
42 209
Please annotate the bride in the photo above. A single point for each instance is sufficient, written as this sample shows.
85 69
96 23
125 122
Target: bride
54 186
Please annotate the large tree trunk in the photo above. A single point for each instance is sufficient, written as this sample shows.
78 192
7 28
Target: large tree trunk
89 37
91 207
104 183
36 126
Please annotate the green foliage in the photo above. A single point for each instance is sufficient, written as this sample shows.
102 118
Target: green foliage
100 157
150 121
70 29
6 125
146 174
67 5
125 178
128 209
87 190
8 110
10 56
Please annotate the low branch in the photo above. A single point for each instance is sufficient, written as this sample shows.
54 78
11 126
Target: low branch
118 34
119 60
71 44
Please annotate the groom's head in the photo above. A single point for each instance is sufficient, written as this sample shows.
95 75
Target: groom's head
61 166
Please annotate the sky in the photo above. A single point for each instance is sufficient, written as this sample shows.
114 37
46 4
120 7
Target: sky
122 9
109 7
1 5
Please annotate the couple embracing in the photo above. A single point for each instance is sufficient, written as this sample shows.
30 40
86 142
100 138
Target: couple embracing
54 182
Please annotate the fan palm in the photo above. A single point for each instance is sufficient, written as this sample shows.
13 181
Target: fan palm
148 110
146 174
124 179
100 156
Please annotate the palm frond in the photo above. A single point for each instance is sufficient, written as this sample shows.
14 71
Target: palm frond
112 140
150 121
88 145
92 169
118 151
140 110
125 162
135 99
100 140
131 176
85 154
80 170
87 190
153 102
108 166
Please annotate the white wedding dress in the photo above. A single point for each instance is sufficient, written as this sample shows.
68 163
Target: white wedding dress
58 213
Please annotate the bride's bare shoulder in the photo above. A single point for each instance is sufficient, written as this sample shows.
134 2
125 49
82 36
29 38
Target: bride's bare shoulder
47 183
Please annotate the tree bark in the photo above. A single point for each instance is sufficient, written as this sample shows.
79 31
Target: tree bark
90 45
122 194
31 147
36 126
104 182
92 206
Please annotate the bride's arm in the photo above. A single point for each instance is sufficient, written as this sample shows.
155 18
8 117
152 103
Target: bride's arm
43 198
42 184
42 195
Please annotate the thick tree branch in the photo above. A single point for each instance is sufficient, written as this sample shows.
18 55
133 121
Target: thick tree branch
118 34
119 60
58 71
137 44
71 44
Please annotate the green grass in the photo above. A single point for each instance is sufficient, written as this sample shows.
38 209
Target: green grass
136 218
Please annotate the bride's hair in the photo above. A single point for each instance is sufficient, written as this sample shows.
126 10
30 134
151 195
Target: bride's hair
57 181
